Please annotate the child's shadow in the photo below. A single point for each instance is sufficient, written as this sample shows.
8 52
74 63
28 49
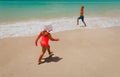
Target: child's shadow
51 59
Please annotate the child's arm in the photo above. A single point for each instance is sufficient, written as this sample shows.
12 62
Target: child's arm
37 39
53 39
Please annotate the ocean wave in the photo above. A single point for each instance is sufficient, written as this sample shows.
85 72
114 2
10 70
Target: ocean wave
32 28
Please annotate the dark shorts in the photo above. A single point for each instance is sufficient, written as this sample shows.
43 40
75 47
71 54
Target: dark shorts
81 17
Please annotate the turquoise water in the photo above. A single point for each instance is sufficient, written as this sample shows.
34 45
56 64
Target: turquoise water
27 18
35 10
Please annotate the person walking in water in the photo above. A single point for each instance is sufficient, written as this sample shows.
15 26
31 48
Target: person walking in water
44 41
81 16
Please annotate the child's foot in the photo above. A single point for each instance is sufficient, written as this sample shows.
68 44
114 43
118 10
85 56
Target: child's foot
51 53
39 63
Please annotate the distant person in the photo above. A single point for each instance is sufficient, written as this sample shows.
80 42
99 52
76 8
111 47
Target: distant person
44 41
81 16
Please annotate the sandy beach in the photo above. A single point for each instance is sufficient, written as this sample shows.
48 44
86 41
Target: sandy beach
79 53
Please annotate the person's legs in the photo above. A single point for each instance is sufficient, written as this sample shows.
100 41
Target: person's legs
82 18
49 50
84 23
77 21
41 54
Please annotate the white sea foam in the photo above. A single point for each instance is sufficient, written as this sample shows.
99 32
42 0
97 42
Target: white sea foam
32 28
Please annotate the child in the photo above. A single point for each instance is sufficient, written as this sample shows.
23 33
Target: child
81 16
45 36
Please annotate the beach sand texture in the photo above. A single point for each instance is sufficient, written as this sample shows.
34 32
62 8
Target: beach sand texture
79 53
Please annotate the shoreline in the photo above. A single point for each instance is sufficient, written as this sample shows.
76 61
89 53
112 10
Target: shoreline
31 28
57 18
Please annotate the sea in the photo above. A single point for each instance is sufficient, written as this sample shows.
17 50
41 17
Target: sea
28 18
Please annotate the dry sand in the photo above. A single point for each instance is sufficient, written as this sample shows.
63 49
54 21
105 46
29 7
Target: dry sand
79 53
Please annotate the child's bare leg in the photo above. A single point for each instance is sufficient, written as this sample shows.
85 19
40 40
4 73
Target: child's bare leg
41 54
49 50
77 21
84 23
